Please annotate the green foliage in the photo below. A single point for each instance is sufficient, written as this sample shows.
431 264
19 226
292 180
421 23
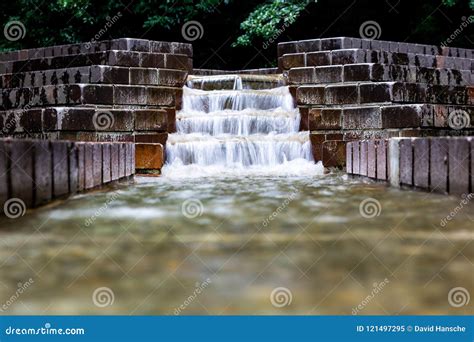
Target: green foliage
267 20
451 3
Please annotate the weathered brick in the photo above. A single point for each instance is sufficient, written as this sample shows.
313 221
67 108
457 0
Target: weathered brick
114 151
328 74
341 94
458 151
303 75
363 158
310 95
106 163
349 147
356 158
371 159
122 160
308 45
97 164
43 182
163 96
334 153
293 60
60 168
324 118
406 162
401 117
377 92
381 149
304 119
81 166
318 58
130 95
149 156
73 167
128 159
88 165
361 118
316 145
21 154
421 159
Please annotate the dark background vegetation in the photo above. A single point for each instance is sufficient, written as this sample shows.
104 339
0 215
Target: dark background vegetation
50 22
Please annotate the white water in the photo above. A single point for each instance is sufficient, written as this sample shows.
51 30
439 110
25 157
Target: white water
238 131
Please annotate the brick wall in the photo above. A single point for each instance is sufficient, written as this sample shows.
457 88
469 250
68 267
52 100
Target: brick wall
351 89
442 165
117 90
38 171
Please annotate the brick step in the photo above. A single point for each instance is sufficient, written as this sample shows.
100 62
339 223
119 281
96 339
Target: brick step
387 117
339 43
123 44
79 94
95 74
111 58
85 119
383 92
378 73
357 56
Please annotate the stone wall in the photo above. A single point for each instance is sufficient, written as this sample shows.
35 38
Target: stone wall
350 89
442 165
117 90
34 172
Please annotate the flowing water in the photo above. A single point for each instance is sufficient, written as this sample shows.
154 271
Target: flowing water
242 222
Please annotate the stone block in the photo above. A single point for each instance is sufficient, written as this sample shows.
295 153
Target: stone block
122 160
341 94
80 166
114 151
149 156
356 158
106 163
303 75
88 165
376 92
361 118
421 162
349 146
381 150
310 95
334 153
97 164
43 182
151 120
363 158
293 60
4 169
371 159
458 151
318 58
60 168
73 167
406 162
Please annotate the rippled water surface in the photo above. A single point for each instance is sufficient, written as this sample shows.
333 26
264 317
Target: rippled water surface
223 245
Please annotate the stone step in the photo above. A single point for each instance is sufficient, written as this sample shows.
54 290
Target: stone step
86 119
339 43
387 117
95 74
378 73
383 92
81 94
124 44
357 56
110 57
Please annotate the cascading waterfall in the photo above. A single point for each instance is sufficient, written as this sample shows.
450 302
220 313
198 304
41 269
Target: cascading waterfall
238 123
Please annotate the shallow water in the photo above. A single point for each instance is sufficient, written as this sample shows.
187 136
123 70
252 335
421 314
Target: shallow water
153 245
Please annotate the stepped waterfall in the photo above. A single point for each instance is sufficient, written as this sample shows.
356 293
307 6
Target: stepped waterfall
238 123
